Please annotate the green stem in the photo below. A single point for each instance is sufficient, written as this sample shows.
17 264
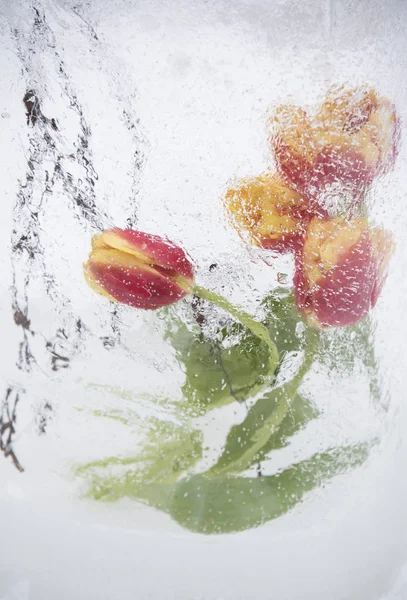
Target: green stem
258 329
287 393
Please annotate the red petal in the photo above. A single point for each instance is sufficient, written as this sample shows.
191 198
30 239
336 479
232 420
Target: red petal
138 286
344 295
344 165
293 166
158 250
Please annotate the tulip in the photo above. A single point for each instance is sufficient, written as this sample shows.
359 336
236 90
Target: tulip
135 268
353 137
268 212
341 270
147 271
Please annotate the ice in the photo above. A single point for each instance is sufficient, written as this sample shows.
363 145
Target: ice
140 114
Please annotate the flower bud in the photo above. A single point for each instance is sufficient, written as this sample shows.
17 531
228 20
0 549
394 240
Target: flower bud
268 212
341 270
353 137
138 269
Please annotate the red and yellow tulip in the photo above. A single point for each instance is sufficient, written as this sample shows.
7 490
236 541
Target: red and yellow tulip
352 138
135 268
340 270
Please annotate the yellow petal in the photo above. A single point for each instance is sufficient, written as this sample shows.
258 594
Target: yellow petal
94 285
111 239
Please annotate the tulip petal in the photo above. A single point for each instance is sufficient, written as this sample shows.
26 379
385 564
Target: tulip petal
150 249
383 247
344 295
123 278
269 212
340 271
94 283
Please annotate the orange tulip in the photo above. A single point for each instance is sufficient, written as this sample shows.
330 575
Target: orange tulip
268 212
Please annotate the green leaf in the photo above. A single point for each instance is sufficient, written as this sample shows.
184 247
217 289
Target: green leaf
235 365
245 440
228 504
218 372
301 412
283 321
169 452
